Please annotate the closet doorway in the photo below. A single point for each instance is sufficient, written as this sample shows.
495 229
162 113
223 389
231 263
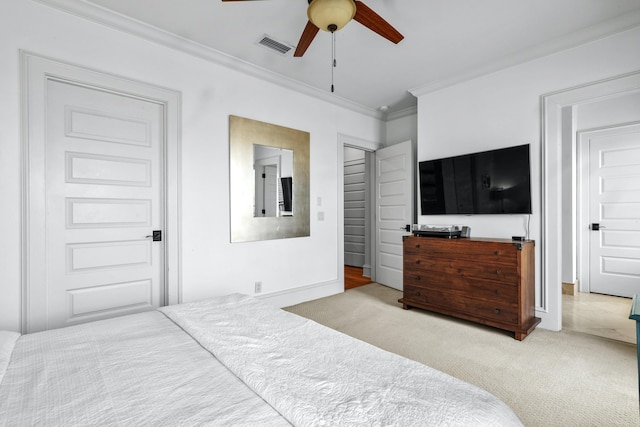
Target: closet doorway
388 206
357 217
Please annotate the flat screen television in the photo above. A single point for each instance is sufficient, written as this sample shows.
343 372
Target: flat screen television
489 182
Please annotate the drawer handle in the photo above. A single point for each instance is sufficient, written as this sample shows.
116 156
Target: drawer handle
417 246
417 277
497 292
497 271
496 311
418 262
496 253
417 294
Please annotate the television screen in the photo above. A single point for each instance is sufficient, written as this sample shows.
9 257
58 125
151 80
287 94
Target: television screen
490 182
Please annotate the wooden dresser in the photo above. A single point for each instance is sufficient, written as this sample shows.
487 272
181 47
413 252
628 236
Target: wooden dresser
489 281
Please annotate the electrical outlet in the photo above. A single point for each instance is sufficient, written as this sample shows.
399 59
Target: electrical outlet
258 287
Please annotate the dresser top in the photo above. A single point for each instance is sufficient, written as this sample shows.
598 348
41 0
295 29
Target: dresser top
470 239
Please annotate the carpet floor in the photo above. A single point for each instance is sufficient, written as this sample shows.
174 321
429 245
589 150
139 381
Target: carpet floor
550 379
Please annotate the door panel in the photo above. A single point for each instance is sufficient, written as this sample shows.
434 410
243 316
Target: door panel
614 204
104 168
85 168
85 302
394 209
105 213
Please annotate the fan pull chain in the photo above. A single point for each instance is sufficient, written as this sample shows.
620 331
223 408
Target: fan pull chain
333 56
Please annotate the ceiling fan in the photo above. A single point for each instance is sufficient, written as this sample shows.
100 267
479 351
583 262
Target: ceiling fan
332 15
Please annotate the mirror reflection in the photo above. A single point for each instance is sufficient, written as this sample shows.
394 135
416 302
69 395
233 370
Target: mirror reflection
273 172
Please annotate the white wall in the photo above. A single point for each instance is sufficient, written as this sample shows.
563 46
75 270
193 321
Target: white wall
503 109
401 128
210 93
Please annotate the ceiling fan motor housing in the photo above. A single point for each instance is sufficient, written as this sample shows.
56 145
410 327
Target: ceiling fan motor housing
331 15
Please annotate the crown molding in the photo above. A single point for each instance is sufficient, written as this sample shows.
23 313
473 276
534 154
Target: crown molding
587 35
406 112
117 21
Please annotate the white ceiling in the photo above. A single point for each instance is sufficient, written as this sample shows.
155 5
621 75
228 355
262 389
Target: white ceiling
445 40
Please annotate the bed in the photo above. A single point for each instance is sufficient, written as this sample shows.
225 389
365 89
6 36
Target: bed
232 360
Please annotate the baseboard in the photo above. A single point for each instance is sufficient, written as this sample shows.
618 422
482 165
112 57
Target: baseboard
366 270
569 288
302 294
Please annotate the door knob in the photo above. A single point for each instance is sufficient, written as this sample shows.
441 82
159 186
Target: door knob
156 236
596 226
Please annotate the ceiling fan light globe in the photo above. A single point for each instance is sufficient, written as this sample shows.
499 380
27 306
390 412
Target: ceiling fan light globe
331 13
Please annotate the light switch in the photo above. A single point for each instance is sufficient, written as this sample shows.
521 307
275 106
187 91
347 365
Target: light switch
320 216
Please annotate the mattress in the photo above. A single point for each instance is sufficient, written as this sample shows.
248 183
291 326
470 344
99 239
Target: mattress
232 360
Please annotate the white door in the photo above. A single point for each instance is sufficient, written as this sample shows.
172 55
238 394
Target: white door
266 189
258 202
394 209
271 190
103 198
614 210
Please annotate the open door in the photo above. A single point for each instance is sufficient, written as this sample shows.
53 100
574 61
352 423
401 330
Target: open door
394 172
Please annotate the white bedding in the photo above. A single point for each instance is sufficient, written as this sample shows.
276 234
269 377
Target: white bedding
241 362
130 371
7 343
315 376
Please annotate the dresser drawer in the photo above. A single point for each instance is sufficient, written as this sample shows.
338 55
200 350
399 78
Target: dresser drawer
475 288
481 252
506 273
490 310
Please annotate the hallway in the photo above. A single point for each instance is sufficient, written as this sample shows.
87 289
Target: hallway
596 314
353 277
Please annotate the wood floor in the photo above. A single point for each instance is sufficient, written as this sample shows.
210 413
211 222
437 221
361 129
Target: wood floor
353 277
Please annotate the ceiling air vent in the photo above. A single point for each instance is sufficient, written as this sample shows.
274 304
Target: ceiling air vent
274 45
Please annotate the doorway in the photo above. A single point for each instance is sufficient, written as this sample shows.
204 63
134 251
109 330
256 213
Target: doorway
564 114
608 232
357 217
390 211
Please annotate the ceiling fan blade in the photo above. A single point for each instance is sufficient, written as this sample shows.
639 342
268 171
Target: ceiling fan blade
306 38
367 17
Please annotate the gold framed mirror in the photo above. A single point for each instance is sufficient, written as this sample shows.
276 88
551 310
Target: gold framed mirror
269 181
